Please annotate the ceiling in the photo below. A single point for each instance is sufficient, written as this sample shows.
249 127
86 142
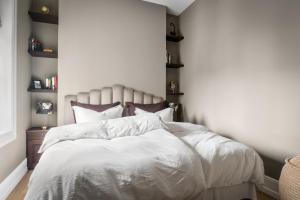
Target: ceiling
175 7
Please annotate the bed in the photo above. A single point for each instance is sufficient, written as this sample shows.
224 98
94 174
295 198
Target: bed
141 157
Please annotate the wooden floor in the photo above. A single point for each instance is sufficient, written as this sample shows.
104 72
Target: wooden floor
19 192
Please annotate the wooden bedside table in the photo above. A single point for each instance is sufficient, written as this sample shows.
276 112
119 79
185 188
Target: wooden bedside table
34 139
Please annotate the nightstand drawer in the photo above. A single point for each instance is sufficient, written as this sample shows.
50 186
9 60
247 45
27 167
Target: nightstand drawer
34 138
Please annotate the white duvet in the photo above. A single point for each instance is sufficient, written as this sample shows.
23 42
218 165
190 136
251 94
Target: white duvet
139 158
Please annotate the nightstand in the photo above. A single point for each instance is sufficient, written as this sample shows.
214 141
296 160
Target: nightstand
34 139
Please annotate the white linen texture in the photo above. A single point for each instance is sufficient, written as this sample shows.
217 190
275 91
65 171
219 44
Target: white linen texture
83 115
104 129
166 114
140 158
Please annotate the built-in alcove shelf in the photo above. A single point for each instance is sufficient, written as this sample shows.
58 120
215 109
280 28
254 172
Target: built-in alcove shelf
174 66
44 18
175 94
42 90
171 38
43 54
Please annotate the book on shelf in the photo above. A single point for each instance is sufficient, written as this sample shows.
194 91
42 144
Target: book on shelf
51 83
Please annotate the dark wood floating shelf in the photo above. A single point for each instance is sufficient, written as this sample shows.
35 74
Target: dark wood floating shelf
174 66
45 18
42 90
174 38
175 94
43 54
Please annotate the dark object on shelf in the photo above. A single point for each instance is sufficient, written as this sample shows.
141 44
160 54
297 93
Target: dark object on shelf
45 18
45 108
42 90
34 45
172 29
175 93
174 66
36 84
34 139
43 54
174 38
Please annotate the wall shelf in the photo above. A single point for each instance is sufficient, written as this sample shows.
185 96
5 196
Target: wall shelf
175 94
43 54
174 38
42 90
174 66
44 18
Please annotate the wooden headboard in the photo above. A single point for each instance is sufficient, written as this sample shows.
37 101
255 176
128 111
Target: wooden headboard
107 95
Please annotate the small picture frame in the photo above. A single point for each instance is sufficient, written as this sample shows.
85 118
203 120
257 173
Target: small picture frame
37 84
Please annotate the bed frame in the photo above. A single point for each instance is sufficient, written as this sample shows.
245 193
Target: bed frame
107 95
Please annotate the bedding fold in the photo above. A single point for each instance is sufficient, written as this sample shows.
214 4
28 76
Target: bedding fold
225 162
105 129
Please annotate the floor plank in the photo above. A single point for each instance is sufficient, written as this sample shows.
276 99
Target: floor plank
20 191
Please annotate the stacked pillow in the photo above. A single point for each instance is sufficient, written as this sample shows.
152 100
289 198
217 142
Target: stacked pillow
160 109
93 113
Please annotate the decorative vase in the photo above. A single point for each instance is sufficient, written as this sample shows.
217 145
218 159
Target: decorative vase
289 182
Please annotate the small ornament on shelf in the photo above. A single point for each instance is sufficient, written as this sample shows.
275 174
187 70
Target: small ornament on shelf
172 29
45 108
173 87
48 50
45 10
35 45
169 58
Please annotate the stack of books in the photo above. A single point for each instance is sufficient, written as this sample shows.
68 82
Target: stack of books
51 83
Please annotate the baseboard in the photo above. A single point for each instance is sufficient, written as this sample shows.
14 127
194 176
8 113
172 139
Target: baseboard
270 187
8 184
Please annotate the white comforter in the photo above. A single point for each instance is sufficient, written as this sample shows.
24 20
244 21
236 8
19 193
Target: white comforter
99 162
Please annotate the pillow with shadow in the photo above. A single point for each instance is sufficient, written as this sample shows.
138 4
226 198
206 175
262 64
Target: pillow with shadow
96 108
129 108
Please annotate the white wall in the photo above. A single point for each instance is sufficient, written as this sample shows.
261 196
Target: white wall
102 43
242 71
14 153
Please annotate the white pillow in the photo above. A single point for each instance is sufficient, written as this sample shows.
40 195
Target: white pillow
83 115
166 114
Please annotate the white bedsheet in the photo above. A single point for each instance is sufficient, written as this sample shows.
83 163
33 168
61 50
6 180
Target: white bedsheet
158 164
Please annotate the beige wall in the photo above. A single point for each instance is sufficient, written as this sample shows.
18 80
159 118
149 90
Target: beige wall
14 153
43 68
110 41
242 71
